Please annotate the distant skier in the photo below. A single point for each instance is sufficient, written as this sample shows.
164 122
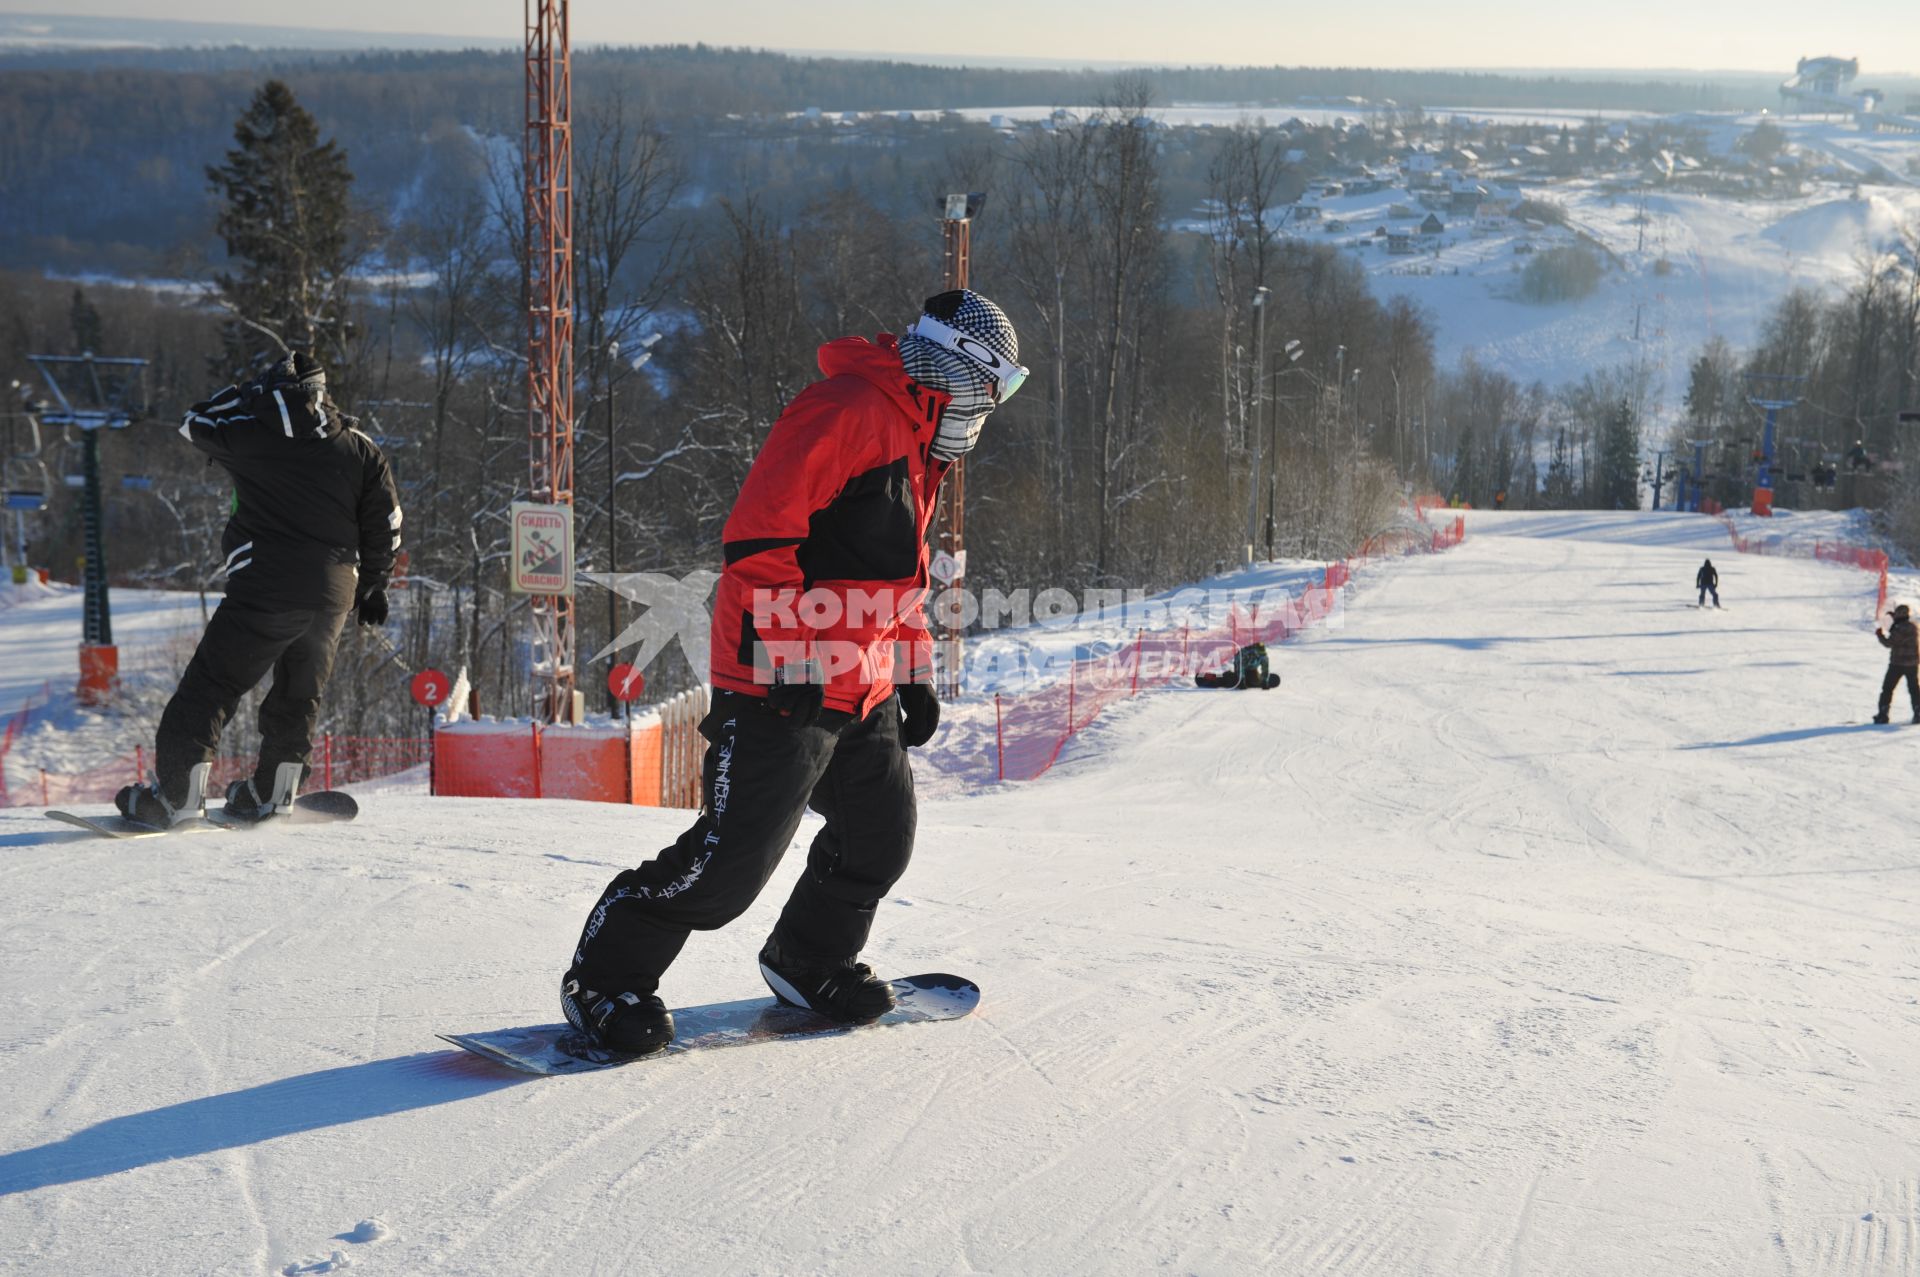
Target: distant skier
312 537
1247 671
1708 581
1902 642
806 711
1857 457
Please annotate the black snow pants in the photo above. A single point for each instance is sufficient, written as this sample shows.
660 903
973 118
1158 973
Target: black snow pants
1894 674
242 643
761 774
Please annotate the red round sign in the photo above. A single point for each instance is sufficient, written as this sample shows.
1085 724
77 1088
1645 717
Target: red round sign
430 687
625 682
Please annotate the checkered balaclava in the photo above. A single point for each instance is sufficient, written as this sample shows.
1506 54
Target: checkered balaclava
970 389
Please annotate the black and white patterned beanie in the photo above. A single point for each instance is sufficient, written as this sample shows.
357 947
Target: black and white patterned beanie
970 389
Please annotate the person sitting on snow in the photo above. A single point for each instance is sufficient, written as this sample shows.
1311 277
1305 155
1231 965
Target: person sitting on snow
1248 670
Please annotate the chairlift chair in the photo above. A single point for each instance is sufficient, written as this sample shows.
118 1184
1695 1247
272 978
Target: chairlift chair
27 484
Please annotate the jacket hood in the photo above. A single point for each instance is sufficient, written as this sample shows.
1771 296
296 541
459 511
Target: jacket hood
878 361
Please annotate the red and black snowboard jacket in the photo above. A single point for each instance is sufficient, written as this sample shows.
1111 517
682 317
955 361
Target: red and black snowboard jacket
826 548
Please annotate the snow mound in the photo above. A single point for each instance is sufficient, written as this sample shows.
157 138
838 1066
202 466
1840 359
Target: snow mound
1837 228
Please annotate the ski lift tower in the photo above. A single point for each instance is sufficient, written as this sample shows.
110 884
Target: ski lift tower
949 566
93 394
548 165
1772 393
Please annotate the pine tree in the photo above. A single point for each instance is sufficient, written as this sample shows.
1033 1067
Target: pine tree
89 333
1620 460
285 222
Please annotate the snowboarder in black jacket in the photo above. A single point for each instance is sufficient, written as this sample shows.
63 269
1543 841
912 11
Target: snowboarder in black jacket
1708 581
1247 671
1902 642
313 536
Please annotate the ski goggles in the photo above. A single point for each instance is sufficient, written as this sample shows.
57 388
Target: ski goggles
1006 376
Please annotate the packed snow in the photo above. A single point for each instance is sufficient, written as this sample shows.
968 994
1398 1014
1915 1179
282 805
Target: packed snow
1539 923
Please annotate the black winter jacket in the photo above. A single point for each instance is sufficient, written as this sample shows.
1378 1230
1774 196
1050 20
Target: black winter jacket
1707 578
1902 642
317 523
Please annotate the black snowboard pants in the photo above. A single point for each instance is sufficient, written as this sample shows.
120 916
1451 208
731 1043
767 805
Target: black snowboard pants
1894 674
761 774
242 643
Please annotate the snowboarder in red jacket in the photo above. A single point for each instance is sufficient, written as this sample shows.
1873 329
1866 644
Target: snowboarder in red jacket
822 679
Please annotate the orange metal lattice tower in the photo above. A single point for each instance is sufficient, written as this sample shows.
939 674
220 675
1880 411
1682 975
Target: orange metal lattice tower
957 236
549 209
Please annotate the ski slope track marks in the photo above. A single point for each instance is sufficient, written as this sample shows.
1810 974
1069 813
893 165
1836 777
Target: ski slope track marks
1539 923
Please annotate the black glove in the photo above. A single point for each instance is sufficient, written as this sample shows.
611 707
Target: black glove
919 714
371 608
796 695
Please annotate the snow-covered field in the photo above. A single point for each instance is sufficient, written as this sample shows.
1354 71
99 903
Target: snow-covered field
40 628
1539 923
1698 267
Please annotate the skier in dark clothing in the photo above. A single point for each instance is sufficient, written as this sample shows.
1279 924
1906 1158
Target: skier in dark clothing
1708 581
822 679
1902 642
312 538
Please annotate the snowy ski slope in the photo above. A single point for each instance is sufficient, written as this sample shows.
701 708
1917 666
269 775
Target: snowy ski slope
1539 923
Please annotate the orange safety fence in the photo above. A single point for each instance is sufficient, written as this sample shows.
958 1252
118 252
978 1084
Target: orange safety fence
17 723
1843 552
1030 730
336 761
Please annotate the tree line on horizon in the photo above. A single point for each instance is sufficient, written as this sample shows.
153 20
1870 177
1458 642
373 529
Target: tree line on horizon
1166 427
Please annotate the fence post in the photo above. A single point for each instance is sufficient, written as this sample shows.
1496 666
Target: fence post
44 800
535 728
1138 635
326 760
1073 667
999 737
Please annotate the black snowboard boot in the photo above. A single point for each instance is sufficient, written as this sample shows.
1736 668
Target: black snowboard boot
162 807
258 797
1880 718
845 990
632 1023
244 802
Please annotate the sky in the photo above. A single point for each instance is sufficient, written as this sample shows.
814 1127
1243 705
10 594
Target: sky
1765 35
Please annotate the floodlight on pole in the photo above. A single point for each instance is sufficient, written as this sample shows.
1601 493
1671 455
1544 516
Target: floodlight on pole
1260 296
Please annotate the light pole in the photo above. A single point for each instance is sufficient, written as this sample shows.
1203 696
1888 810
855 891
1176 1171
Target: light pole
1292 350
1339 389
613 487
1260 296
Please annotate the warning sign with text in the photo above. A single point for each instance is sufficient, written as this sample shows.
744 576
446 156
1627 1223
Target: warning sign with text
542 549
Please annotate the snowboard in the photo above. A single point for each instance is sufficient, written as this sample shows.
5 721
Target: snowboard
324 806
117 826
548 1049
321 807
